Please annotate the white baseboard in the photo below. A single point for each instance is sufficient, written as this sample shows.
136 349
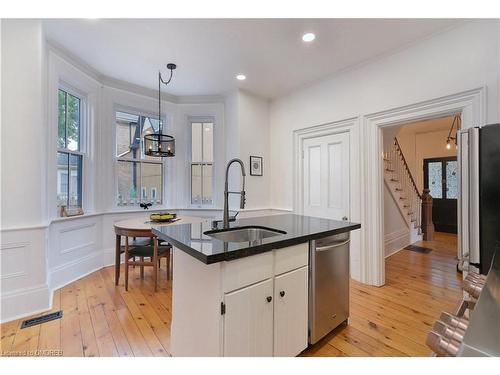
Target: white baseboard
396 241
21 303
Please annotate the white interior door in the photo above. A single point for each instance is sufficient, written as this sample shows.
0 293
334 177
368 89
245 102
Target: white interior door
326 186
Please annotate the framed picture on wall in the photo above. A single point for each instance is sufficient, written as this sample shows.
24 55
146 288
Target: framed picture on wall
255 166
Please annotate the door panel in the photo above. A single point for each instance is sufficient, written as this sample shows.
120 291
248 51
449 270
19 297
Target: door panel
326 176
441 178
290 313
314 175
248 321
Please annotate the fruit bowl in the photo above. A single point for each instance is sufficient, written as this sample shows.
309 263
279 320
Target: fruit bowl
162 217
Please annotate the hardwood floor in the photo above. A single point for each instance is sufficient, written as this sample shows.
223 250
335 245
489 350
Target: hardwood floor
394 320
103 320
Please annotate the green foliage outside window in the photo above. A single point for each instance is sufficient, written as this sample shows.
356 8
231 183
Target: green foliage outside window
69 121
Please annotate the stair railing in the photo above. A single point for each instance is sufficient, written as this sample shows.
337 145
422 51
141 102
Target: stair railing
406 186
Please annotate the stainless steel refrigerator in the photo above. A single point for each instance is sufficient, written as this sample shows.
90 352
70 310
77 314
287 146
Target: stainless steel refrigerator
479 203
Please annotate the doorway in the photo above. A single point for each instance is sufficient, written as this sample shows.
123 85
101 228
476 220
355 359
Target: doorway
441 178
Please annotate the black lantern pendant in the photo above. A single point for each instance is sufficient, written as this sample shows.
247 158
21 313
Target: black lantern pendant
159 144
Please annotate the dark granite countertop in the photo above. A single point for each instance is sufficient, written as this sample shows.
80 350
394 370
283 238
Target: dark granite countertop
482 337
299 229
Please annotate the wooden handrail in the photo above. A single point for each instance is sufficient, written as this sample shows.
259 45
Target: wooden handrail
406 166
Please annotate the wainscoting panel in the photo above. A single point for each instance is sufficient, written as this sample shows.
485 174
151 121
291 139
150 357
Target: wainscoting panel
77 237
24 288
75 249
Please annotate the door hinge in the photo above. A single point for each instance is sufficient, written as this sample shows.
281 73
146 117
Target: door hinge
222 308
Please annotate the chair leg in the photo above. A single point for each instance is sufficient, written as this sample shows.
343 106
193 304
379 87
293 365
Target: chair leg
168 265
171 263
142 268
126 264
155 261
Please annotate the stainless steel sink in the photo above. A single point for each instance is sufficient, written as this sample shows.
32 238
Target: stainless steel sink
243 234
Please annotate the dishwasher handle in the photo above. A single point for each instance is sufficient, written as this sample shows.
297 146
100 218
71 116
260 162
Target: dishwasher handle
328 247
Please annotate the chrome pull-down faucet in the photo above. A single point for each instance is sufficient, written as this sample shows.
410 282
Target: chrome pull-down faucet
225 224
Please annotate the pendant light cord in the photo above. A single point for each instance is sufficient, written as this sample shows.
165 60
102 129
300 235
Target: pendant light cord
160 81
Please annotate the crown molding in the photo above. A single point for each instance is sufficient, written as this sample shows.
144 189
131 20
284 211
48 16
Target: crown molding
118 84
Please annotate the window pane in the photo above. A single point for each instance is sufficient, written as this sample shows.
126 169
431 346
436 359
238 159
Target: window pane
130 132
151 181
196 184
207 184
62 179
196 139
435 179
451 180
208 141
61 122
128 174
73 123
75 181
126 126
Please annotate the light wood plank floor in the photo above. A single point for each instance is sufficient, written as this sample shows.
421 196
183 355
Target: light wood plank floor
101 320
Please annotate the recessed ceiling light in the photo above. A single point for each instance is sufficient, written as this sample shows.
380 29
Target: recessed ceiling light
241 77
308 37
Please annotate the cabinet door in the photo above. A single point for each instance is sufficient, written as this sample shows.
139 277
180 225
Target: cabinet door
290 313
248 321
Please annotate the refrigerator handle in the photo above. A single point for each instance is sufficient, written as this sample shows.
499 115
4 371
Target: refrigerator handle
474 243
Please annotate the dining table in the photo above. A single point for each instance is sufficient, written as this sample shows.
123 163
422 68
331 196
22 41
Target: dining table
140 227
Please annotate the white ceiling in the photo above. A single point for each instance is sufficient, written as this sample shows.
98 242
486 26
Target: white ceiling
210 52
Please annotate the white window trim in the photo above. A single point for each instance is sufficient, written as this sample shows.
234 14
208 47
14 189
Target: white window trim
116 159
190 121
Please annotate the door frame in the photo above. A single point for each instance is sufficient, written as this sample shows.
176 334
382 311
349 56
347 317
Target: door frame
471 104
351 126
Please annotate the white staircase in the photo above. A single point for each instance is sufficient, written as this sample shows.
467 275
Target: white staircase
401 184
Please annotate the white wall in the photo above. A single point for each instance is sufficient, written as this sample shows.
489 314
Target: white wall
254 140
248 134
461 59
23 124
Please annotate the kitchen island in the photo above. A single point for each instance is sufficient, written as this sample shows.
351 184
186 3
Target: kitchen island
243 291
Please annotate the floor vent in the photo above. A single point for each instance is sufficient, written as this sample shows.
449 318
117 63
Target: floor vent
41 319
418 249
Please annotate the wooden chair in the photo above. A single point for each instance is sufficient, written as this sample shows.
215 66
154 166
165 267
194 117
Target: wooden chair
152 251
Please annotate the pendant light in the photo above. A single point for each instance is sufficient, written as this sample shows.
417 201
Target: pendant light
457 121
159 144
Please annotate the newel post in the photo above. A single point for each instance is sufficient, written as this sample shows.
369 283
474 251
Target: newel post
427 225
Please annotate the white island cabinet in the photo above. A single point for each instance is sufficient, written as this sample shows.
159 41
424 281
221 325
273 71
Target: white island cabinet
252 306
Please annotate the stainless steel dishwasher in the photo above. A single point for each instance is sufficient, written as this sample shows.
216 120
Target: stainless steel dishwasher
328 284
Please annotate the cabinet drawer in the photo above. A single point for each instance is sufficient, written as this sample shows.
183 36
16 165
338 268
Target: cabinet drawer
243 272
291 258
